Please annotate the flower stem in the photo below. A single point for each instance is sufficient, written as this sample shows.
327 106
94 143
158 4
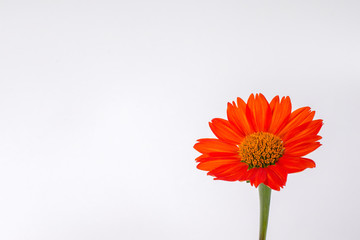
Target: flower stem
265 195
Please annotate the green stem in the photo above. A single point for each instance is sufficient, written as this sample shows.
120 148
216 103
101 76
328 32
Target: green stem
265 195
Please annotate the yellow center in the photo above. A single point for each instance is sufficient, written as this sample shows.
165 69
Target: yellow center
261 149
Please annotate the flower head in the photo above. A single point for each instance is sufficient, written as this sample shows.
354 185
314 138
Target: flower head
260 142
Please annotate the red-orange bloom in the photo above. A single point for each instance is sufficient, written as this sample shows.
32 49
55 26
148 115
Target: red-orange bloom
260 142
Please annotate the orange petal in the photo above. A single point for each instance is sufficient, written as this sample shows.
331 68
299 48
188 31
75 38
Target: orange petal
240 114
250 109
274 102
276 177
229 172
257 176
217 156
296 119
223 130
211 165
262 113
280 113
304 140
207 145
304 130
237 173
238 119
301 149
295 164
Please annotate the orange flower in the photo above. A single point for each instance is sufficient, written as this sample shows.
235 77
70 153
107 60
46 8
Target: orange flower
260 142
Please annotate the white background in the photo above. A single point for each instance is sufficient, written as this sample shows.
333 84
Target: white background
101 103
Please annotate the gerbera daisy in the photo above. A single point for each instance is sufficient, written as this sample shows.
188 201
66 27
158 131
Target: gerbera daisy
260 142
